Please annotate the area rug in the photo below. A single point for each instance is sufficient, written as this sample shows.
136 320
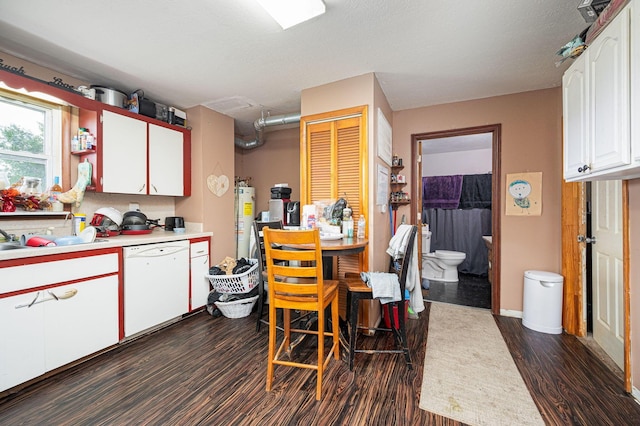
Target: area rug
469 374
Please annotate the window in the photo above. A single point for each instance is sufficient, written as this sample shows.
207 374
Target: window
30 139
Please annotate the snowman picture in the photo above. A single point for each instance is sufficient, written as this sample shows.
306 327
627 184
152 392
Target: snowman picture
520 190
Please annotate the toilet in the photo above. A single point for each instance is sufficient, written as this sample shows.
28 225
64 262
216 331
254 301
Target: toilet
440 265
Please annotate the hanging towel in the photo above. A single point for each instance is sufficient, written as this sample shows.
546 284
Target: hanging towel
398 243
384 286
476 192
397 248
441 191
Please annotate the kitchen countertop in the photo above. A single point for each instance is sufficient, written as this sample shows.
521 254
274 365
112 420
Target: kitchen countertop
156 236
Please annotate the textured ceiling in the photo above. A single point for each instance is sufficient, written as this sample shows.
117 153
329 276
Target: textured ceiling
231 56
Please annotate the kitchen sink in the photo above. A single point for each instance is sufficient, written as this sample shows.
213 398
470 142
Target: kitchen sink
10 246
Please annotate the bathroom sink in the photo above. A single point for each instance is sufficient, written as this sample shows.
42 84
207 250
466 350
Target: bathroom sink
10 246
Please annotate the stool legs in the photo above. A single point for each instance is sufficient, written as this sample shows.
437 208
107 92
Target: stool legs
353 301
397 328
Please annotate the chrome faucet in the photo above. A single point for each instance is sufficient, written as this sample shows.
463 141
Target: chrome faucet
8 237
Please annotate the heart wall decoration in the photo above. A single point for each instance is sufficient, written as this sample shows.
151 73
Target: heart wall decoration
218 185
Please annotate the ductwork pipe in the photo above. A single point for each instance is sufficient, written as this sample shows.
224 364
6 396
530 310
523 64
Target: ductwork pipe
261 123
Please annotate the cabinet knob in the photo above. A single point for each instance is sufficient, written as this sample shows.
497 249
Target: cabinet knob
583 168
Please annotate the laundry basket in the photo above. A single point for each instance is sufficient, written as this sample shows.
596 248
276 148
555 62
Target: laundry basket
236 283
237 308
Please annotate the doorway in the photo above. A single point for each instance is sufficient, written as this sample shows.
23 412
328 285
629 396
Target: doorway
453 137
605 305
608 269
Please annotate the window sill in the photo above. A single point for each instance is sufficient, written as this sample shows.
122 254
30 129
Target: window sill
39 214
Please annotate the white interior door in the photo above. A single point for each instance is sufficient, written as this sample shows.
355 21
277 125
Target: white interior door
607 268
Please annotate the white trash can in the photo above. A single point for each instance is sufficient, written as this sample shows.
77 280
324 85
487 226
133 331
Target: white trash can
542 302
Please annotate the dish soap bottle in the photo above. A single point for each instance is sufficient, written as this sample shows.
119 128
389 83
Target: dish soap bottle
361 226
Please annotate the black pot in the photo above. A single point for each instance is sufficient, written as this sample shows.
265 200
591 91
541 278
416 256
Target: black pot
135 227
134 218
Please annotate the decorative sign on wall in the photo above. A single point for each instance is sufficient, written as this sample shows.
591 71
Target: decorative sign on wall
218 185
524 194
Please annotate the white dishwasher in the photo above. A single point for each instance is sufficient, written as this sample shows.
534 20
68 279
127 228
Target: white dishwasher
156 284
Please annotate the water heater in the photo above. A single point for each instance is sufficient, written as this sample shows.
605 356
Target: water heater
245 196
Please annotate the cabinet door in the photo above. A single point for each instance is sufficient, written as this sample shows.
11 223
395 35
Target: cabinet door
334 164
124 154
22 336
166 148
82 324
199 268
609 96
575 113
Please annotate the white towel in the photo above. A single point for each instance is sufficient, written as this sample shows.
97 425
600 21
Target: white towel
397 248
416 301
398 243
384 286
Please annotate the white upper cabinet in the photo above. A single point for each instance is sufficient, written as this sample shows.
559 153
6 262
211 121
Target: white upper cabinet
597 107
165 161
608 59
133 149
574 105
124 154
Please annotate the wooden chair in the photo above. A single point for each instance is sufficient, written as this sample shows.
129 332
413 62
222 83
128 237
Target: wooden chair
262 263
357 290
298 284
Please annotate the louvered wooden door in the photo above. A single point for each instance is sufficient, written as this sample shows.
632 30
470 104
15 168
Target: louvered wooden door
334 165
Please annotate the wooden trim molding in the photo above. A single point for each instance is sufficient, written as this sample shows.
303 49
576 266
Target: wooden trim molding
496 191
573 267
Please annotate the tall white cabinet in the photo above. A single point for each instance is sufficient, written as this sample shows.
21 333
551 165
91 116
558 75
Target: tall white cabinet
597 108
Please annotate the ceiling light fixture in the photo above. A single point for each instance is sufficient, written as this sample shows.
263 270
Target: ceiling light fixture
292 12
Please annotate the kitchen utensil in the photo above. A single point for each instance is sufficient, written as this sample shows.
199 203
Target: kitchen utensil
111 96
66 241
109 212
172 222
88 235
135 227
134 218
37 241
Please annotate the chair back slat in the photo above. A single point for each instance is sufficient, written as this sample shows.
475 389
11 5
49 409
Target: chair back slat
301 274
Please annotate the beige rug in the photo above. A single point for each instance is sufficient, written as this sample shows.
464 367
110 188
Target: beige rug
469 374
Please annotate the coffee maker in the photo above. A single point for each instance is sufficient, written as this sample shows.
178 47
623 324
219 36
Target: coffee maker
280 197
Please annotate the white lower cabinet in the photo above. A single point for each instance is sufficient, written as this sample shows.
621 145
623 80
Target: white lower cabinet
199 268
22 337
82 324
58 323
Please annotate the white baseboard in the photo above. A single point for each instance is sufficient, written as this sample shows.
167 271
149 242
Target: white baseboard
510 313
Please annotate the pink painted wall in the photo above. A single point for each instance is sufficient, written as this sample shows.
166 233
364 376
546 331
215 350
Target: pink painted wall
531 142
277 161
211 154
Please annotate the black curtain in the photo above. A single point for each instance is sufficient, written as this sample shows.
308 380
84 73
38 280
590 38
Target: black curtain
461 230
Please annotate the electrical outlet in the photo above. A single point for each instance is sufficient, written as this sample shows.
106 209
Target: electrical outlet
134 206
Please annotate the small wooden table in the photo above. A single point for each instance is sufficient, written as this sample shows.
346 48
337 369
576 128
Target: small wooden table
334 248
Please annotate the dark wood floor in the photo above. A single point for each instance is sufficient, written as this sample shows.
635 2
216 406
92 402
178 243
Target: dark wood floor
470 290
205 371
